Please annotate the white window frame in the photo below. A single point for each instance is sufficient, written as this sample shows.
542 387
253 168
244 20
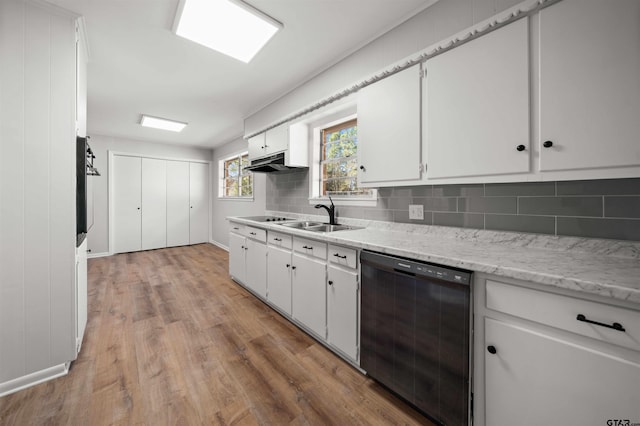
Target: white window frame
315 171
221 178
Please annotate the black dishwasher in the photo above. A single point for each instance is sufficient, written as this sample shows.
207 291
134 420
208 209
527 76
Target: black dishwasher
415 339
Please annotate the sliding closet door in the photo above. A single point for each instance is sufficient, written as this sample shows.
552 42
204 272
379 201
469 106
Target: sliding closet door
127 225
199 203
154 204
177 203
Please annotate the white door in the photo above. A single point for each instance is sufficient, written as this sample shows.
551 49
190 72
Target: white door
127 203
154 204
389 128
535 379
477 106
256 267
590 84
279 278
198 203
342 309
177 203
309 295
237 257
81 292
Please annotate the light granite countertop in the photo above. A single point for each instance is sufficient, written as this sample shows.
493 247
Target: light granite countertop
607 268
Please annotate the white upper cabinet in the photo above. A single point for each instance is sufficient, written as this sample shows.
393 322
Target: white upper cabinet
256 146
589 84
476 100
277 139
389 149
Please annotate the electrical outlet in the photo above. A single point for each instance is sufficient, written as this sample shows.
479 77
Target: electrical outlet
416 211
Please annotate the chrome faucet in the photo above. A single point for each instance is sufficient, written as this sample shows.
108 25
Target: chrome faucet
331 210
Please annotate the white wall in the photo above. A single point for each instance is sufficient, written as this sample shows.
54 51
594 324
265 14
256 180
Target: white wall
437 22
98 236
223 208
37 192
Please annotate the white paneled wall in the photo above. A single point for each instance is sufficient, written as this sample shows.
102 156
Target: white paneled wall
37 192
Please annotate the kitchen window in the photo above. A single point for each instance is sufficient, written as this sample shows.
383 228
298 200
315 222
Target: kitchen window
235 182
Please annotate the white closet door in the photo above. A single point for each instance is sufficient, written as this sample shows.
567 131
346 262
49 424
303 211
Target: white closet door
154 204
177 203
198 203
127 172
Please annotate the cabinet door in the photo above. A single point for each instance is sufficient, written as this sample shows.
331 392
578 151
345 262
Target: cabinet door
256 267
309 296
177 203
389 128
535 379
590 84
198 203
342 309
81 292
256 146
237 257
277 139
154 204
127 191
477 106
279 278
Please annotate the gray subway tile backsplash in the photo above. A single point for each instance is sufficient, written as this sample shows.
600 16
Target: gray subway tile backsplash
594 208
561 206
628 207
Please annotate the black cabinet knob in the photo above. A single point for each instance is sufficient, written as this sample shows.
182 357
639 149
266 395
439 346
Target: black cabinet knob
330 282
362 168
492 349
547 144
520 147
138 208
293 267
288 265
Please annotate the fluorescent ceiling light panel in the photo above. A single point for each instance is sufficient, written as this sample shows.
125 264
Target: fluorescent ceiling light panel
162 123
228 26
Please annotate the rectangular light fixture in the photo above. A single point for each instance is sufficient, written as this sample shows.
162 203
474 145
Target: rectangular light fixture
162 123
231 27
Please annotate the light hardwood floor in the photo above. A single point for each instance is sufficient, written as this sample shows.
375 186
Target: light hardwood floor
172 340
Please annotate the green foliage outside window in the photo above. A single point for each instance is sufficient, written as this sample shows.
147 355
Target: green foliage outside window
237 182
339 163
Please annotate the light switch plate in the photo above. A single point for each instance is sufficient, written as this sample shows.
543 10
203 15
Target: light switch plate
416 211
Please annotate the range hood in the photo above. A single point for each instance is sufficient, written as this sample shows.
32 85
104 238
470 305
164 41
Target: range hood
270 164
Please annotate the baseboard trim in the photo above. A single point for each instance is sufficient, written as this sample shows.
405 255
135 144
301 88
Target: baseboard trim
222 246
94 255
33 379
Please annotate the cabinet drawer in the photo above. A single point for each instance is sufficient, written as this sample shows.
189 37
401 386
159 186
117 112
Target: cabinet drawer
256 234
310 247
562 312
279 239
343 256
237 228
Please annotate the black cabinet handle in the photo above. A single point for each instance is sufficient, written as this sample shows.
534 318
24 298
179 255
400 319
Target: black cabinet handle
338 255
616 325
293 267
241 246
277 239
235 228
307 247
252 233
362 168
547 144
520 147
492 349
138 208
288 265
330 282
191 206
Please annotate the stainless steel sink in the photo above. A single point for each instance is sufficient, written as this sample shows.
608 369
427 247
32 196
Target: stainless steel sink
328 228
317 226
301 225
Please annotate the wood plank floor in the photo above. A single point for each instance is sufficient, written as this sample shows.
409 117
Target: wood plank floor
172 340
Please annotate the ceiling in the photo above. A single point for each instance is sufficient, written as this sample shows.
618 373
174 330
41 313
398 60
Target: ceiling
137 65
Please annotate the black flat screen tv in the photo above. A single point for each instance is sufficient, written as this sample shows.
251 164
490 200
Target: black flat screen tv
81 190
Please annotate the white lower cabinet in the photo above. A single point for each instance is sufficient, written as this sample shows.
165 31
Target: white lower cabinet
248 259
538 379
279 278
547 358
342 310
309 297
